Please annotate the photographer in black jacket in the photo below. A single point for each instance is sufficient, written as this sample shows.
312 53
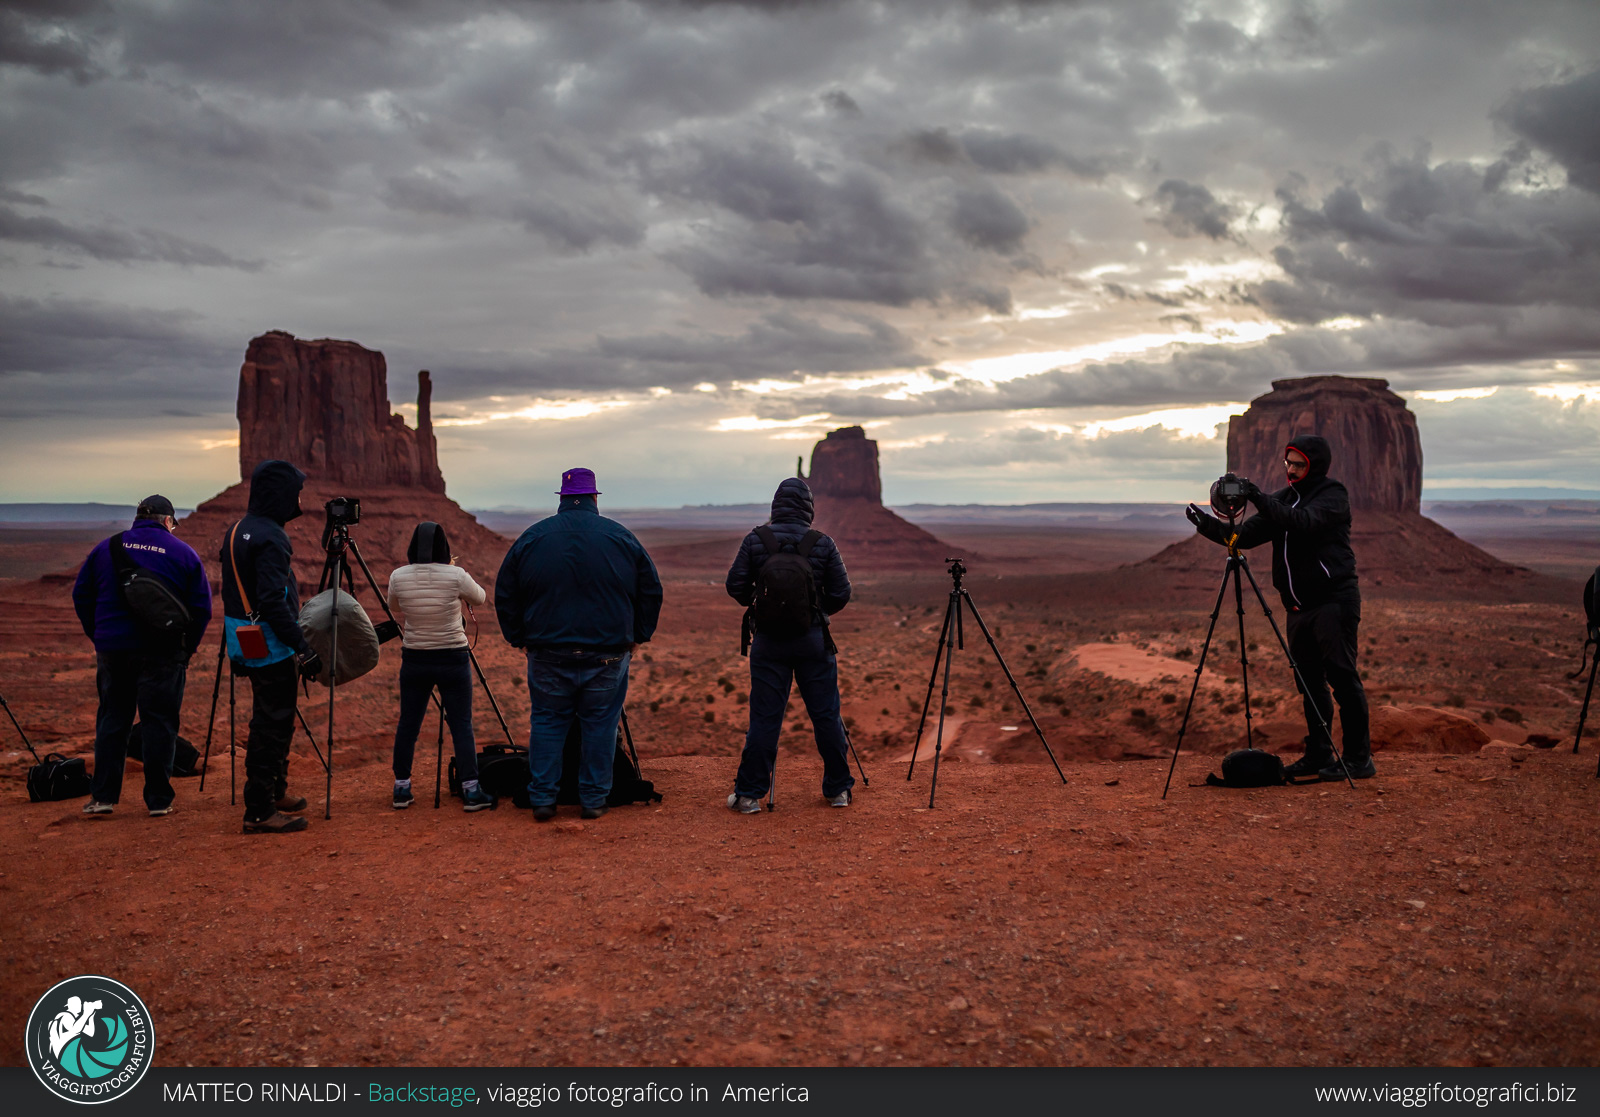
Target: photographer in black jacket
1314 569
258 587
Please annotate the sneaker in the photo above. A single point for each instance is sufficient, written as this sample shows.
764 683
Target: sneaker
162 812
1308 765
1359 770
840 800
592 812
744 804
291 804
477 800
544 813
94 806
402 798
275 823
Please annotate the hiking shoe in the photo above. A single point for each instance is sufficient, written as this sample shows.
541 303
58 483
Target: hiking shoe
840 800
544 813
94 806
592 812
1359 770
275 823
402 798
291 804
1308 765
162 812
477 800
744 804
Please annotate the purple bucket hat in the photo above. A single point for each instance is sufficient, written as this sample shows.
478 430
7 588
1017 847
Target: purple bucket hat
578 482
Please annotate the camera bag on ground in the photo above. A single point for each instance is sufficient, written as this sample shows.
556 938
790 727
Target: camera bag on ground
785 598
185 757
55 777
1249 768
503 771
358 640
152 601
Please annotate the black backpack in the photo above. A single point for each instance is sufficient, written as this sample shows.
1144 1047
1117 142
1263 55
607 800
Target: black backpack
1250 768
785 599
503 772
152 601
185 757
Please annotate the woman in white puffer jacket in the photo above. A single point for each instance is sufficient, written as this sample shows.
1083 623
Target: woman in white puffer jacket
429 591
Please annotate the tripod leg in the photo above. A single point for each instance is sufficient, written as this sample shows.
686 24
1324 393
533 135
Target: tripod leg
864 781
627 734
1014 687
233 778
501 717
438 757
333 685
1199 668
944 694
1244 658
23 735
933 677
211 722
1583 714
1300 681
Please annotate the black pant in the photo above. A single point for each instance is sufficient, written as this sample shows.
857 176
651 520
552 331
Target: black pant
1323 642
774 661
152 683
421 670
266 752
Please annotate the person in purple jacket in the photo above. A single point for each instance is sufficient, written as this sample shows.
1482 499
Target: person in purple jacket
136 669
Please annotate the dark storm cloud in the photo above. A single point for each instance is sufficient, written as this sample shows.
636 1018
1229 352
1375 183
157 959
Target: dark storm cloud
1190 210
1012 153
987 219
115 244
779 346
1562 119
30 37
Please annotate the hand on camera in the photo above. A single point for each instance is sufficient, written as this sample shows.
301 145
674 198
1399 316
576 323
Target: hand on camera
310 664
1251 491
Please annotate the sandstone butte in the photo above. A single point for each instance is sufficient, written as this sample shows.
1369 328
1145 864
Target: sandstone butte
848 488
1377 454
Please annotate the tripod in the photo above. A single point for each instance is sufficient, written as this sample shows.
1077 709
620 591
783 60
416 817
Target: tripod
18 724
1236 565
952 637
1593 637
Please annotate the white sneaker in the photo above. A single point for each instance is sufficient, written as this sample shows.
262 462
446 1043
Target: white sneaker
162 812
94 806
744 804
840 800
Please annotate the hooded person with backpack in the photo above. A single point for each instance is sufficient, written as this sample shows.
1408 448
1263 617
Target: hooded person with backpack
261 610
791 579
143 597
1314 570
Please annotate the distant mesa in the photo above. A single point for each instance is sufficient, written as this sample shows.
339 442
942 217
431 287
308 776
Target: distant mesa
1377 454
848 488
1377 451
324 405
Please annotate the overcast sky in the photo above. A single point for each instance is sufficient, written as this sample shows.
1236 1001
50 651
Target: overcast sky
1040 250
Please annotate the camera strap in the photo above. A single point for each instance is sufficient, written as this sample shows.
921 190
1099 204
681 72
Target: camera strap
233 561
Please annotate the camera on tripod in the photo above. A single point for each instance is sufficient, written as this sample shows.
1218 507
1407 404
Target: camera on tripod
343 511
1228 496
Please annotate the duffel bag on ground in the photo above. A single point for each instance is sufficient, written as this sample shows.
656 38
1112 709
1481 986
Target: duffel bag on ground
57 778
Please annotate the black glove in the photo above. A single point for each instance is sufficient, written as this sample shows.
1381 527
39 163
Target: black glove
1195 516
310 664
1252 491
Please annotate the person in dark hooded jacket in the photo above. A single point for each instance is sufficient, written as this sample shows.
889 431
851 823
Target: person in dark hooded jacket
777 659
1314 571
258 587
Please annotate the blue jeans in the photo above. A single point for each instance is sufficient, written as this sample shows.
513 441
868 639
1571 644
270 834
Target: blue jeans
152 683
773 662
421 670
589 686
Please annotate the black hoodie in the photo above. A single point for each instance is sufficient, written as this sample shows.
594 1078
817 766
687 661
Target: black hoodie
792 510
1308 525
263 554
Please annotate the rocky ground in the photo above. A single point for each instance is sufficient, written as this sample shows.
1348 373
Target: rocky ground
1444 912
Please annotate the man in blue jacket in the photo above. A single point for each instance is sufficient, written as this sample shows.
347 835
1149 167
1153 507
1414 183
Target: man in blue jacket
576 592
807 655
136 667
259 588
1314 570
